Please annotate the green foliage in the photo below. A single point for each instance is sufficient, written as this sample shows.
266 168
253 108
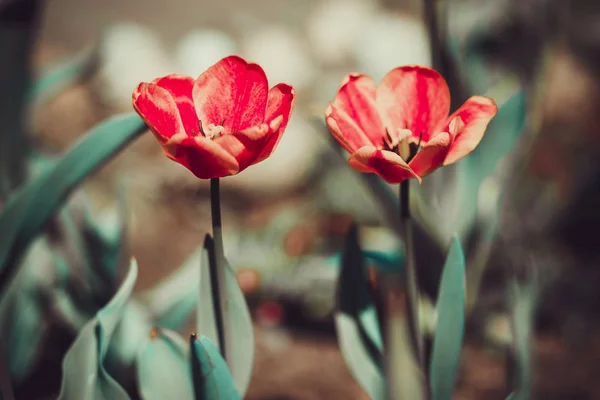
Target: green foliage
210 374
33 205
356 321
163 367
450 310
84 374
242 359
61 76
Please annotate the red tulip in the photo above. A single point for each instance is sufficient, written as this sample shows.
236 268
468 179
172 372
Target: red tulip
219 124
378 124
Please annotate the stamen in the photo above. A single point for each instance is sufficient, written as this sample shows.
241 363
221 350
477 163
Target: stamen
404 146
201 129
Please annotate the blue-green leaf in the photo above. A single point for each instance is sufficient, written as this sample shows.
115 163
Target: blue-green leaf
28 210
240 320
163 367
84 374
210 375
174 300
450 309
385 261
62 75
361 353
500 138
22 311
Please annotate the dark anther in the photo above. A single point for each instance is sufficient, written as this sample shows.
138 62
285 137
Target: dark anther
201 129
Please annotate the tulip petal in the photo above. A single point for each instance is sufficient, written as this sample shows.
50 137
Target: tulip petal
204 157
247 145
156 107
432 155
416 98
476 113
180 88
355 101
231 93
345 130
280 104
388 165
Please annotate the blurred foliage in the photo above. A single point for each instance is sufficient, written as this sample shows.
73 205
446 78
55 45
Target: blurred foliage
63 299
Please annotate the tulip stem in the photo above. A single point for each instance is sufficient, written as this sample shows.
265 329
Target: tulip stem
410 273
218 274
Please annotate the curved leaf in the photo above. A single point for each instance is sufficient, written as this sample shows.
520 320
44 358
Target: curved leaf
385 261
33 205
500 138
210 375
356 321
62 75
449 331
175 299
240 320
84 375
163 367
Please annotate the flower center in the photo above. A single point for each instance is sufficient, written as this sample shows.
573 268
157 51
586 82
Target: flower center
210 131
397 142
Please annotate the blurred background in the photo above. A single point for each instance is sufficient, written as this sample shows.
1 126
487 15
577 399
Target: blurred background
533 212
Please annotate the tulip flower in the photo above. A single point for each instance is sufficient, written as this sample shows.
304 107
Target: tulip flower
401 129
219 124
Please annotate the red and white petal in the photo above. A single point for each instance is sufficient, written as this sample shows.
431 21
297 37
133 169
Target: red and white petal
388 165
232 93
156 107
476 113
246 146
416 98
180 88
345 130
280 105
432 155
203 157
356 100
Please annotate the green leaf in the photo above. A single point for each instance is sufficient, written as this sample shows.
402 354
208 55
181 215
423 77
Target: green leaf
61 76
385 261
32 206
361 353
22 311
210 375
163 367
84 374
500 138
460 183
450 308
105 244
174 300
240 320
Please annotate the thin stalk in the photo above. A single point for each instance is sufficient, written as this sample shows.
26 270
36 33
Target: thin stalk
410 273
218 275
404 379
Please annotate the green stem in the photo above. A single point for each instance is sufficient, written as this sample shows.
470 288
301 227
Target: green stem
218 275
410 273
